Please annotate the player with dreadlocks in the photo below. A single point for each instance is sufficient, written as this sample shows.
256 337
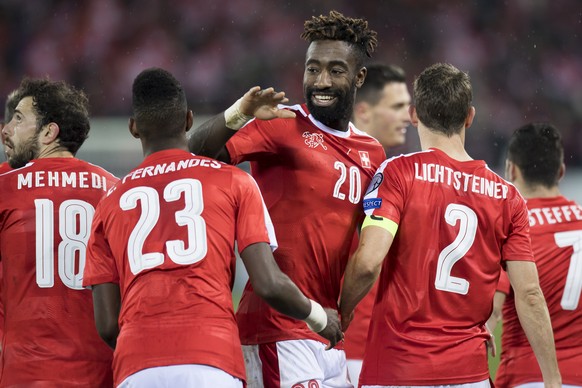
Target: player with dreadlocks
312 166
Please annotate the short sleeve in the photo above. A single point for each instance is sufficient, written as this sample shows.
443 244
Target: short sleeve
253 223
100 265
257 138
517 246
386 194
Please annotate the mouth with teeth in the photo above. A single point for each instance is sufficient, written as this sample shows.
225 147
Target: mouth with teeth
320 99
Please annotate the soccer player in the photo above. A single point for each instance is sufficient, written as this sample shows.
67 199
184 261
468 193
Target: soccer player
535 165
445 222
311 169
46 210
311 164
381 110
162 247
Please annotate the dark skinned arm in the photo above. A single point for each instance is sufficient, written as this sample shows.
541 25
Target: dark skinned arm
281 293
106 306
209 139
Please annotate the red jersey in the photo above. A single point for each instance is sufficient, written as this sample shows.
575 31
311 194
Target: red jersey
556 238
45 218
312 178
166 234
457 222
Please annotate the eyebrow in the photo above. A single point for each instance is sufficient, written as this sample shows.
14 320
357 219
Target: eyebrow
334 62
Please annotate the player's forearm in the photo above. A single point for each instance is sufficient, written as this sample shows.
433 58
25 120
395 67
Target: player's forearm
210 137
284 296
535 320
358 281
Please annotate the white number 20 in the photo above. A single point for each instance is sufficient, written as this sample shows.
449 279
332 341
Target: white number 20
457 249
355 183
190 217
571 296
75 218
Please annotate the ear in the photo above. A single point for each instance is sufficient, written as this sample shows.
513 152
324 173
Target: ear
362 111
49 133
413 116
133 128
361 77
470 117
511 170
562 172
189 120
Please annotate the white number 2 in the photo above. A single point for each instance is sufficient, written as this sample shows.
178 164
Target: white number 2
190 217
573 287
75 218
457 249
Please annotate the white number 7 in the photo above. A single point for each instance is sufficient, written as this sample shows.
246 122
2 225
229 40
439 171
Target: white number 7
571 295
457 249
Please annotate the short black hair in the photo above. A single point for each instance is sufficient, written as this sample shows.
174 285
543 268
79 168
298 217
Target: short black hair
442 98
159 102
536 148
377 77
62 104
336 26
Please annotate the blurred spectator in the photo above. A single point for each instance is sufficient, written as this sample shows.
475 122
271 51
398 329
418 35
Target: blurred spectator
523 56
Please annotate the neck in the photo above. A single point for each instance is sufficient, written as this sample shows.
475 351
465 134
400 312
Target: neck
536 191
453 146
54 151
155 145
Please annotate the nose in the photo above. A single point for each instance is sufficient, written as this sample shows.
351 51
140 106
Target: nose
6 131
323 80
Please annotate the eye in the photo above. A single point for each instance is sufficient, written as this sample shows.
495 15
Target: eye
337 71
311 70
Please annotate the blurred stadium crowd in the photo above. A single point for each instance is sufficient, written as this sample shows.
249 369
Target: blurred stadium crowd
524 56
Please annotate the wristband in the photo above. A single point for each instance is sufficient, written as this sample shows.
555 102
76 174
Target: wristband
234 118
317 318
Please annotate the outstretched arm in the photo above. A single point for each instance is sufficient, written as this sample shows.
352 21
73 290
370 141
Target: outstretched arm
209 139
283 295
363 269
534 318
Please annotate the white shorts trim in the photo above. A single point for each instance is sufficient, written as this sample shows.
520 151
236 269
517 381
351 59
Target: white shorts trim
480 384
299 362
190 375
541 385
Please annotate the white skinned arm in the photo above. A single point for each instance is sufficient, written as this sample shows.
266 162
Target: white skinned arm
534 318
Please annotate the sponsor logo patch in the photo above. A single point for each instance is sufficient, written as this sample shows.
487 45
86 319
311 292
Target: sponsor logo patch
372 203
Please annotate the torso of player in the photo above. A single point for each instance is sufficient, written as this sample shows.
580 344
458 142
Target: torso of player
174 256
556 238
45 218
312 179
442 268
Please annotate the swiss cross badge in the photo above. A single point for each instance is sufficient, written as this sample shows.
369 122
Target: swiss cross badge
365 158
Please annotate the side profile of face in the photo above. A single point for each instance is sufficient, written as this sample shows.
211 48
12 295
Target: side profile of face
21 138
330 81
388 120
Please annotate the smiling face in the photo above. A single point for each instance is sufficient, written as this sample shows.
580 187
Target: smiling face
21 135
330 81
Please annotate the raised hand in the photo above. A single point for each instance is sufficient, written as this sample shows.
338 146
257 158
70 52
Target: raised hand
262 104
